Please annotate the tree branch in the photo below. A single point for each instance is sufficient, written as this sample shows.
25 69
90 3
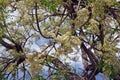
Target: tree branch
37 20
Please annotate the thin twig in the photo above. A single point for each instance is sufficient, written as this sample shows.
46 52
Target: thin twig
78 5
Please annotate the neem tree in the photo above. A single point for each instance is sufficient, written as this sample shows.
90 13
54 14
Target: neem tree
90 27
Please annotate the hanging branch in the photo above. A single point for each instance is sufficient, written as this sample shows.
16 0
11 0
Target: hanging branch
37 20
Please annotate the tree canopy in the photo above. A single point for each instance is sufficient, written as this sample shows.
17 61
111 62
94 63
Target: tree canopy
90 28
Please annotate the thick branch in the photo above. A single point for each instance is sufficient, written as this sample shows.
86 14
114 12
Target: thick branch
6 45
90 54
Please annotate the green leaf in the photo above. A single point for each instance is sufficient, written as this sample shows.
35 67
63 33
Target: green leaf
115 30
2 77
51 5
38 77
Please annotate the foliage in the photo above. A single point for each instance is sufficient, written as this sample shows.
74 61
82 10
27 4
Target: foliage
90 28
